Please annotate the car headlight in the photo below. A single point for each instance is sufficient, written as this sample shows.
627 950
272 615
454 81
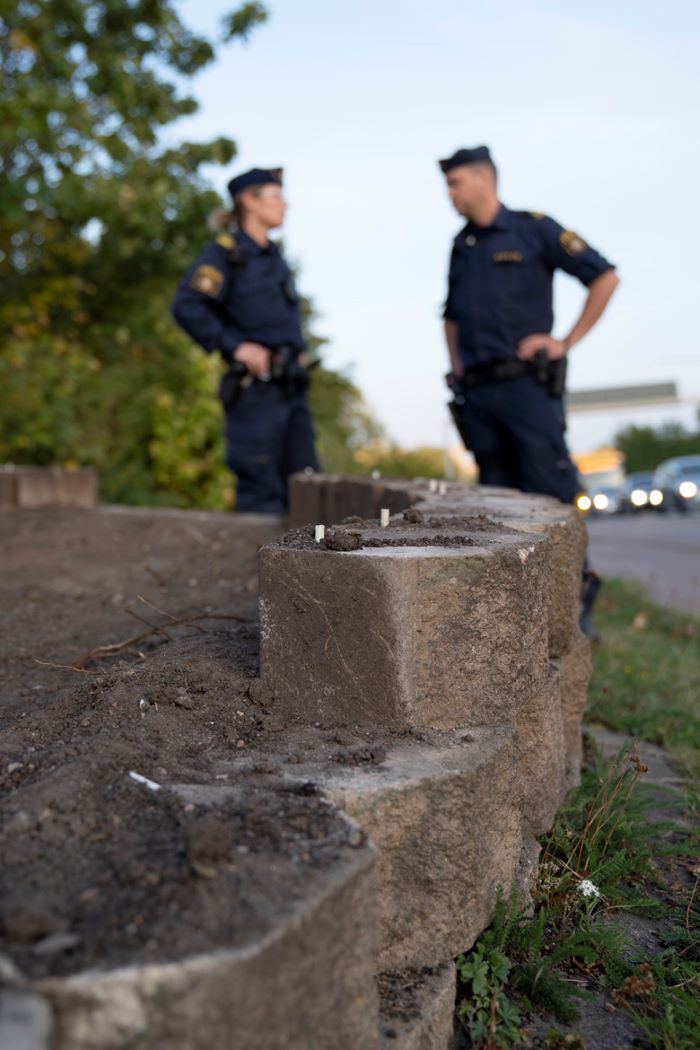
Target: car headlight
639 498
656 497
688 489
600 501
584 502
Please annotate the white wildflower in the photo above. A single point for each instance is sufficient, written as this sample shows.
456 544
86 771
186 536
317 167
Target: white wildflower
588 889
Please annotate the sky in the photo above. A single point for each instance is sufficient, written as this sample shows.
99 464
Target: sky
591 111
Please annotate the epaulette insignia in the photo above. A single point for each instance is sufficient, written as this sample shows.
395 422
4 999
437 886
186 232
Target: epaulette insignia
572 243
208 280
226 241
537 214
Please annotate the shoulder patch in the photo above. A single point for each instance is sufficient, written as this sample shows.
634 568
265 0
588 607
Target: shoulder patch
226 241
572 243
208 280
537 214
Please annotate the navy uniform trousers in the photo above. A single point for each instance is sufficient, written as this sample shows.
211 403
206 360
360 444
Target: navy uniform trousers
269 435
516 432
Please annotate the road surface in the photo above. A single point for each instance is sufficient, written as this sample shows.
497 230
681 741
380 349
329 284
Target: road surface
662 551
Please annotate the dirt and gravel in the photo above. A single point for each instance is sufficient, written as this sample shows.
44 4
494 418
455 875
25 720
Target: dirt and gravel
99 868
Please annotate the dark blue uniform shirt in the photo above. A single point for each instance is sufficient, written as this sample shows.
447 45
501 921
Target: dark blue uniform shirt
501 276
238 291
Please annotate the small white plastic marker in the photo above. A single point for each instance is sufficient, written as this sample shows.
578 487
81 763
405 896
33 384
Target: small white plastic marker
320 533
432 485
384 517
376 475
442 488
150 784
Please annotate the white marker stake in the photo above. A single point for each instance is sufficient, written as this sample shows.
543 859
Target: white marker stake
432 485
320 533
150 784
384 517
376 475
442 488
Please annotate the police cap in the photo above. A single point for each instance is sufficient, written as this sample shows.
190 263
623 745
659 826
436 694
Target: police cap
255 177
478 155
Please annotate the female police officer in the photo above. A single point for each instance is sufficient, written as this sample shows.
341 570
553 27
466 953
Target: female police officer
239 298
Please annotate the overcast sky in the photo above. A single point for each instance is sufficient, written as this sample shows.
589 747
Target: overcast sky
591 112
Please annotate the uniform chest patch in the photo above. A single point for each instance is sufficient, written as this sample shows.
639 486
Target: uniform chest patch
508 257
226 241
572 243
208 280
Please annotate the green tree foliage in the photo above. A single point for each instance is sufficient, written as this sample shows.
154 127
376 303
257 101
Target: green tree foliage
645 447
99 219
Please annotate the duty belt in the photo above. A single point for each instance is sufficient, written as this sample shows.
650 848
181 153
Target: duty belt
546 373
493 371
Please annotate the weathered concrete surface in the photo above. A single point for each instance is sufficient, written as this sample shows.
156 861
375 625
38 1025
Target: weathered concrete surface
541 756
573 672
308 984
445 816
33 487
405 635
328 499
417 1008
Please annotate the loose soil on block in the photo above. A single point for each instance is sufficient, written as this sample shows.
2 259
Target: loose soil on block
99 869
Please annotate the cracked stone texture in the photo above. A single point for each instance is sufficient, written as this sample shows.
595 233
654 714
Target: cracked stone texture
574 674
309 983
405 635
445 816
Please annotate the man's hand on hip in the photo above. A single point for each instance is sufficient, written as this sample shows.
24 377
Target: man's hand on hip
528 347
255 357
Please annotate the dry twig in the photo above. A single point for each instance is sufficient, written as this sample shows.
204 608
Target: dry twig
114 648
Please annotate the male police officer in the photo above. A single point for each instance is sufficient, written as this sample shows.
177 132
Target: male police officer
498 315
239 298
498 327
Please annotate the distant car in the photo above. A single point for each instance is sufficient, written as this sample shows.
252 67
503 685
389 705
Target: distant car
602 492
676 484
636 491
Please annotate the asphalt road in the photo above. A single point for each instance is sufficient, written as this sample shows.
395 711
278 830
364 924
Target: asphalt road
660 550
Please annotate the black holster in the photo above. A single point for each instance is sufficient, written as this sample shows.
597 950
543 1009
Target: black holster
231 384
550 374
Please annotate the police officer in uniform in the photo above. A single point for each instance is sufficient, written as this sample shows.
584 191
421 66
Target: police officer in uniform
506 365
239 298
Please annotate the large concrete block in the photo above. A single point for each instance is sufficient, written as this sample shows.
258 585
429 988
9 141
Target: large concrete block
8 488
417 1008
573 677
445 815
325 499
541 756
403 636
55 487
529 513
307 985
542 515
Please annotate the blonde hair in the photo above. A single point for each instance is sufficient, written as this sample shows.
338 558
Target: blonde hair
223 218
